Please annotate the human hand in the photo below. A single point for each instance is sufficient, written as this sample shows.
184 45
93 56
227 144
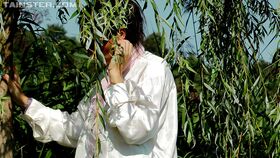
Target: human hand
122 54
15 90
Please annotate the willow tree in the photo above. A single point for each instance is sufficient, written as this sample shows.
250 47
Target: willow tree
237 115
58 74
8 26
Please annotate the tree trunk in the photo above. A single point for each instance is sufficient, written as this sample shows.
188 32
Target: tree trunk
10 18
6 135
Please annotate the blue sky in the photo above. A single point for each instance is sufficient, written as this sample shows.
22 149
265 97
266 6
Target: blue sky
73 30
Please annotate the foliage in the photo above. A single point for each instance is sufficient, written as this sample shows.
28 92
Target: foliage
53 69
228 98
237 114
152 44
56 70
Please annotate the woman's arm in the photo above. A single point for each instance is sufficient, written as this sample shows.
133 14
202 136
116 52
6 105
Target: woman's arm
138 110
47 124
54 125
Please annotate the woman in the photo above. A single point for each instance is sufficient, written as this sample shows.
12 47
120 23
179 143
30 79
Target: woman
140 102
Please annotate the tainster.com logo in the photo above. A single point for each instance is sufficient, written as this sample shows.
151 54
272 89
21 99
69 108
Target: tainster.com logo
39 4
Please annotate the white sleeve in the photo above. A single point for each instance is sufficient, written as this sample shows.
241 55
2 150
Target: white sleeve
135 109
54 125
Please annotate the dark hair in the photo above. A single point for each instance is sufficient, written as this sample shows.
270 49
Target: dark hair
135 27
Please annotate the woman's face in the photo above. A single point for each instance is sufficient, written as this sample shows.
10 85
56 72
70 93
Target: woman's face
108 46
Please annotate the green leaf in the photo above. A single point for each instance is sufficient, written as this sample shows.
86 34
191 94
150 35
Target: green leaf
182 42
189 136
276 123
48 154
183 115
166 4
154 6
209 87
82 56
57 57
162 42
167 23
255 83
169 15
187 85
145 5
245 89
74 14
84 75
187 65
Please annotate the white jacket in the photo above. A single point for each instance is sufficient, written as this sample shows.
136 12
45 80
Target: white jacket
141 117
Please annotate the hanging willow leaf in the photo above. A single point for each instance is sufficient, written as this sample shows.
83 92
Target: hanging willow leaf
74 14
182 42
145 5
209 87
